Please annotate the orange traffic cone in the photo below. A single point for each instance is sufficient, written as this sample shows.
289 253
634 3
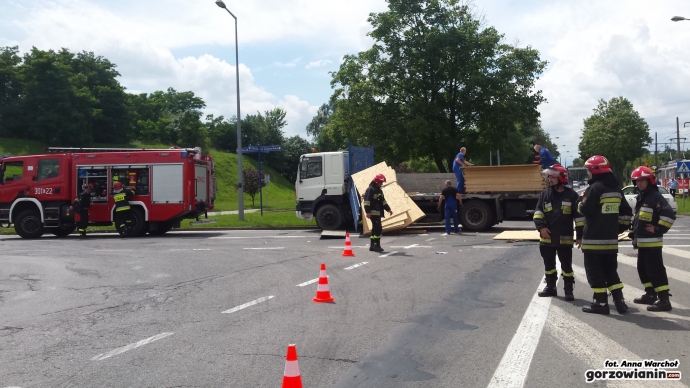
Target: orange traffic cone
323 294
291 376
347 252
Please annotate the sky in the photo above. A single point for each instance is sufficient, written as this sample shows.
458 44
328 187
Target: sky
595 50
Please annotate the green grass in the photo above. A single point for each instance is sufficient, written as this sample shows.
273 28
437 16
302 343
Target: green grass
683 209
279 194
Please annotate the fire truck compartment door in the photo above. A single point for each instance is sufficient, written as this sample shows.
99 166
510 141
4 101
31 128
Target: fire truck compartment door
166 185
201 184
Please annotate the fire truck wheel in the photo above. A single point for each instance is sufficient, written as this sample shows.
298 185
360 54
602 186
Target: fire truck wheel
163 228
63 231
28 224
328 217
138 227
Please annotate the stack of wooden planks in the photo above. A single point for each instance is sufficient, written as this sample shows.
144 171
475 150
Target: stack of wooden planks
504 179
405 211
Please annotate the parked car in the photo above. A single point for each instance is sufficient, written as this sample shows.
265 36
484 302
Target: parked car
631 192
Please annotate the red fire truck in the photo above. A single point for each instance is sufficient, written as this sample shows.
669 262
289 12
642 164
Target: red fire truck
169 185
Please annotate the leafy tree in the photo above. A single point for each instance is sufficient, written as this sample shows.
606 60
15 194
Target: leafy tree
616 131
252 180
433 80
577 162
293 148
321 120
10 92
222 132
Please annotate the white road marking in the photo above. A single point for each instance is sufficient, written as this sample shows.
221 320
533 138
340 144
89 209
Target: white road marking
357 265
238 237
388 254
411 246
201 249
591 346
677 252
266 248
496 246
308 282
671 272
444 234
130 346
113 250
353 246
674 237
248 304
631 292
430 239
513 368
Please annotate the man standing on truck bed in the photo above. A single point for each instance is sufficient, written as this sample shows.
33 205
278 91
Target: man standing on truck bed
554 216
458 164
545 157
607 214
121 196
374 205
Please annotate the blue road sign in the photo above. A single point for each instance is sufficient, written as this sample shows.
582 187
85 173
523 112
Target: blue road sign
262 149
683 167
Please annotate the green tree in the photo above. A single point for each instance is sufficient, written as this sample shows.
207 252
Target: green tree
434 79
293 148
577 162
252 180
222 132
11 90
616 131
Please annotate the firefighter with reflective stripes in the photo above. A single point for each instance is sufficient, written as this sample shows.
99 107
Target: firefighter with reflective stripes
554 216
121 196
653 217
607 214
374 205
82 204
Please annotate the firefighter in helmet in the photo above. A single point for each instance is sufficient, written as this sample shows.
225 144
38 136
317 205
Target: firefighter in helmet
374 205
554 216
84 205
653 217
607 214
121 196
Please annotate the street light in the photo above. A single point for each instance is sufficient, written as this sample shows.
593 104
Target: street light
678 18
240 188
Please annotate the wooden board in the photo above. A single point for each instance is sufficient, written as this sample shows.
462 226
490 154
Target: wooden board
425 183
504 179
528 235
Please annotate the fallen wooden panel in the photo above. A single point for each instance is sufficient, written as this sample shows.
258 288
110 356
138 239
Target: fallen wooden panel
409 231
624 237
529 235
405 211
333 234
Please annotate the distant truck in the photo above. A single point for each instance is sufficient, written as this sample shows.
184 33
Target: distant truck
325 191
169 185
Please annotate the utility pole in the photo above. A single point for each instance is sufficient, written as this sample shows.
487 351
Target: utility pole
678 136
656 156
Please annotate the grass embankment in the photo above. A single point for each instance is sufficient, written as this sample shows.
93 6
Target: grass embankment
278 195
685 210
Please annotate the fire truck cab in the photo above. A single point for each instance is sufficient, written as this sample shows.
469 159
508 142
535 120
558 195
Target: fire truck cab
169 185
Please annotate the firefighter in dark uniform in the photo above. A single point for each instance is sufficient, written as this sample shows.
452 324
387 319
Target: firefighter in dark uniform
554 217
83 203
653 217
374 205
121 196
607 214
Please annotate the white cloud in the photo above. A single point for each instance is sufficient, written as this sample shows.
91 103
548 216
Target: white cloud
290 64
319 63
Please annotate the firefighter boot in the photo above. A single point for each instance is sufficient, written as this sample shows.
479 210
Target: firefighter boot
372 244
600 304
550 289
568 285
663 304
618 300
377 245
649 296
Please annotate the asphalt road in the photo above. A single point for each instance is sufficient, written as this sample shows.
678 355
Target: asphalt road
218 309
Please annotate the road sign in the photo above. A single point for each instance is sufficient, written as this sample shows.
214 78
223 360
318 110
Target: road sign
683 167
646 164
262 149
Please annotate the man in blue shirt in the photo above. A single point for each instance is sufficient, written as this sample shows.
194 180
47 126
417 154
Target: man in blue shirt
458 164
673 186
545 157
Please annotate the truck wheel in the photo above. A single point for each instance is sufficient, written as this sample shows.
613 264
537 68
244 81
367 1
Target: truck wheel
64 230
328 217
136 225
28 224
163 228
476 216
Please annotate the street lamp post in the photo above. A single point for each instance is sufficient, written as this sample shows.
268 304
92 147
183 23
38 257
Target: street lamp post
240 179
678 18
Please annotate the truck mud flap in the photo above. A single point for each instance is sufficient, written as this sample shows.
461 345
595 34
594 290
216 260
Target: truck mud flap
499 211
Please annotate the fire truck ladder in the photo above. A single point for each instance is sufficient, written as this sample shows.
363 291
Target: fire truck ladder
75 149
